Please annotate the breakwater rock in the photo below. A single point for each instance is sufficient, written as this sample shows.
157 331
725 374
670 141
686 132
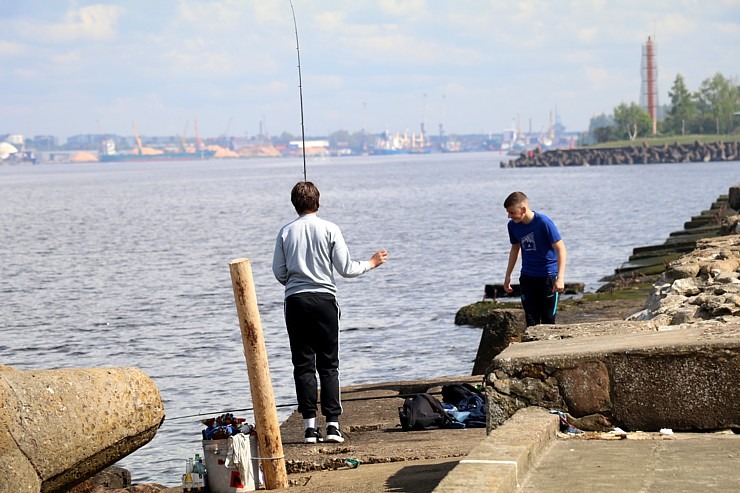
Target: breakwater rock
643 154
701 285
722 218
60 427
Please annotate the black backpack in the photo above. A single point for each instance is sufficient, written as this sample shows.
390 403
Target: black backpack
454 393
421 412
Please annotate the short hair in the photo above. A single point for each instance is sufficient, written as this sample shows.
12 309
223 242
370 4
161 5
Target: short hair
515 198
305 197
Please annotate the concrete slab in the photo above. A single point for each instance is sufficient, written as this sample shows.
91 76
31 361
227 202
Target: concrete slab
679 463
373 433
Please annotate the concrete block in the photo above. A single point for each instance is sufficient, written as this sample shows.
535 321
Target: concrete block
67 425
501 329
684 379
503 458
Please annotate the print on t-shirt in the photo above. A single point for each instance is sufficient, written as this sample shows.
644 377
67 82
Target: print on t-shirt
527 242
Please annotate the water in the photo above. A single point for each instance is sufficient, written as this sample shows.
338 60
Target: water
127 264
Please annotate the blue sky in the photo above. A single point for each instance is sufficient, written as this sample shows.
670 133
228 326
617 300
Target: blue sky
76 66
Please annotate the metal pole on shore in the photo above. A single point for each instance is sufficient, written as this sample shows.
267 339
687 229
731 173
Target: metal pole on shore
263 398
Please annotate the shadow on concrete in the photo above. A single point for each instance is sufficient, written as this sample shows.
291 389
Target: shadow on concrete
419 478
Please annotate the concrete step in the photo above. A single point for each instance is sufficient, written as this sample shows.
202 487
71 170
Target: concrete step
691 237
647 265
658 250
709 228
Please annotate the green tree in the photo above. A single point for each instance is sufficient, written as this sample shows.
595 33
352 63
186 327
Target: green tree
682 111
283 139
631 121
717 101
601 128
340 137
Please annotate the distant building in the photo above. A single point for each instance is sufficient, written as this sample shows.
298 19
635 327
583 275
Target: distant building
15 139
43 142
312 146
161 141
86 141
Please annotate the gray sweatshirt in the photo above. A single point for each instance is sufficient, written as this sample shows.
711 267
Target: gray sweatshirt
305 252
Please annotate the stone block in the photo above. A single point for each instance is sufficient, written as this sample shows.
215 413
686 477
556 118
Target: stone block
501 329
586 388
70 424
734 198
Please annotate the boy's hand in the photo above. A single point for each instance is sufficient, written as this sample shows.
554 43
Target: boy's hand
379 258
559 286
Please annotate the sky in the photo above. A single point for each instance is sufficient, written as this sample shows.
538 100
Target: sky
473 66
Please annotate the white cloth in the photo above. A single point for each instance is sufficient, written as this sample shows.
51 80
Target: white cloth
238 457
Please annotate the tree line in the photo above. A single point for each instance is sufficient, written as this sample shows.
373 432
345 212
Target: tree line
711 109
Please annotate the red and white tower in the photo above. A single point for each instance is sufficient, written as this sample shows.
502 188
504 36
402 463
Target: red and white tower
649 90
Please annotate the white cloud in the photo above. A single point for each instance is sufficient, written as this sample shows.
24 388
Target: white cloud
675 26
24 73
587 34
405 8
598 77
219 15
730 29
10 48
67 58
95 23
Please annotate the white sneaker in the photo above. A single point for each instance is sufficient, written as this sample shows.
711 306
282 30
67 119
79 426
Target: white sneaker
333 435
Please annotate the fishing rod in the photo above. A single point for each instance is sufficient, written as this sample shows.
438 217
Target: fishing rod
300 90
351 399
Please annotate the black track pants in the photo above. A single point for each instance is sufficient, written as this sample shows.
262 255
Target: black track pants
539 302
312 320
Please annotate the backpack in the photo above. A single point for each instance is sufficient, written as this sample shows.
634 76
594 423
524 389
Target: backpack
421 412
455 392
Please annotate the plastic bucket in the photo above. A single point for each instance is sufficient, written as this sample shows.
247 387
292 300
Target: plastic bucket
222 479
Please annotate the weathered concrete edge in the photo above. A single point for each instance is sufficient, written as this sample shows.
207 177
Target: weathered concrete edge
501 461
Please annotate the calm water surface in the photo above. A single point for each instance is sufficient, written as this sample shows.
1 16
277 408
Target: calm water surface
127 264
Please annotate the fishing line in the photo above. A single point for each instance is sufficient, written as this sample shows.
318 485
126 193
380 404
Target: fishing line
351 399
300 90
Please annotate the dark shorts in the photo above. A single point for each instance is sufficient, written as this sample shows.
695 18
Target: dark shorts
539 302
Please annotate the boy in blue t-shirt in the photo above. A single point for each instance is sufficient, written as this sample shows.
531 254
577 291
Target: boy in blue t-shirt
542 278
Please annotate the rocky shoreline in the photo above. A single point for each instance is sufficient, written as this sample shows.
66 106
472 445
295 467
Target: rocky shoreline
645 154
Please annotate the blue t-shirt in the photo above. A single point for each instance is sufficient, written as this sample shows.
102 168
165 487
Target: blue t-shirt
539 258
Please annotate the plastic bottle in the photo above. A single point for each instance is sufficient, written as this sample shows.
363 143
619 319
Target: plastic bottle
198 465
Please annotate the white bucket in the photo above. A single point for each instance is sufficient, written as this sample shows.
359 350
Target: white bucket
222 479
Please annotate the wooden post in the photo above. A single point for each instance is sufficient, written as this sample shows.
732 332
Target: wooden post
263 399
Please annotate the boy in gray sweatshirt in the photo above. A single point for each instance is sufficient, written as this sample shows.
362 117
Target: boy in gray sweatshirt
307 252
